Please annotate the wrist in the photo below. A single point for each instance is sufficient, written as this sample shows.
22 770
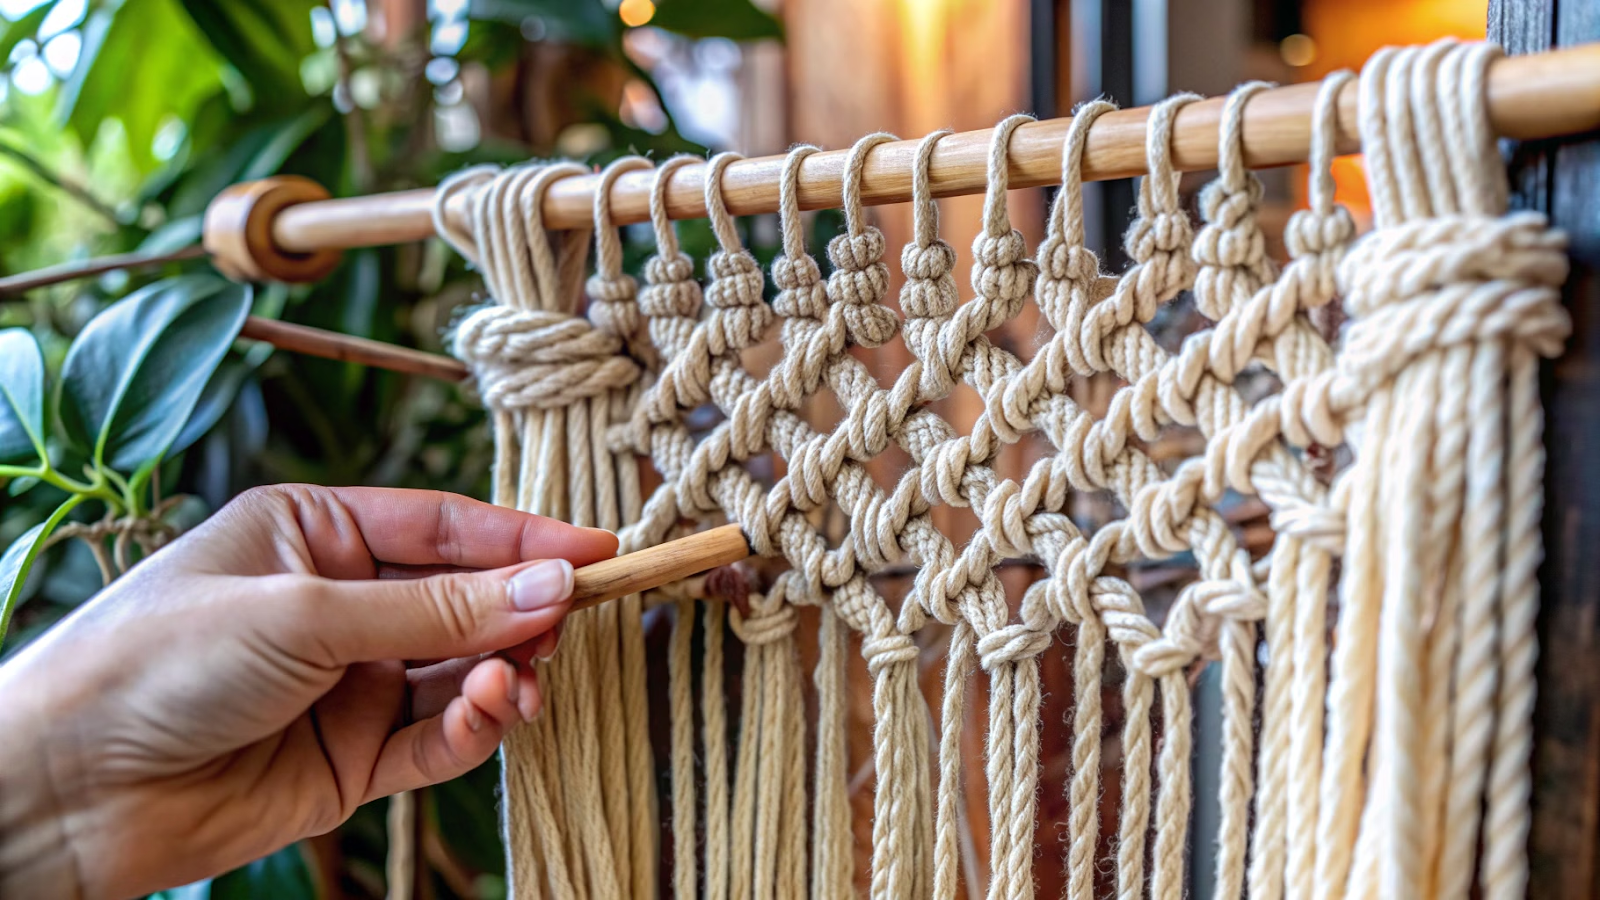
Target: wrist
37 857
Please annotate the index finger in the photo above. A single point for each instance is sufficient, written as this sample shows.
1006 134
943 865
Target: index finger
434 528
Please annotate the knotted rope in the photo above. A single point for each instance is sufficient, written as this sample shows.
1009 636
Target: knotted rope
1368 776
1465 301
579 792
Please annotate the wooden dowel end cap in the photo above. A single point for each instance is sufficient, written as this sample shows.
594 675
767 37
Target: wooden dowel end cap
238 231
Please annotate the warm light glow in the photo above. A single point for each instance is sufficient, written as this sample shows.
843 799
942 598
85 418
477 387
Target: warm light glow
636 12
1298 50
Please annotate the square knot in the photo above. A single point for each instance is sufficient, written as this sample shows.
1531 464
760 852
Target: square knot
1310 232
867 324
1230 207
1061 261
856 252
736 280
1426 285
613 304
886 649
540 359
1011 644
928 262
999 250
763 626
1167 232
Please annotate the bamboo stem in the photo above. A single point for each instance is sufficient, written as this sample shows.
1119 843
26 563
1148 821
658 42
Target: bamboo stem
1535 96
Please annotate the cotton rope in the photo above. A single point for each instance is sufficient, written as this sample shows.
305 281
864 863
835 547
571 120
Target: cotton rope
1379 763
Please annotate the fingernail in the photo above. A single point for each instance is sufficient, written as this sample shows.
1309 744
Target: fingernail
545 647
474 717
513 684
528 706
541 585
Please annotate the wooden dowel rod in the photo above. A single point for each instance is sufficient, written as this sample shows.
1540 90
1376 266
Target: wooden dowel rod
348 348
1535 96
89 268
655 566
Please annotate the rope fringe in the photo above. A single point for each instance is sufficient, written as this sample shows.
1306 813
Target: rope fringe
1377 764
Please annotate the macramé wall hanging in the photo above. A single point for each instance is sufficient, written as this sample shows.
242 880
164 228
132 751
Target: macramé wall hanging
1375 658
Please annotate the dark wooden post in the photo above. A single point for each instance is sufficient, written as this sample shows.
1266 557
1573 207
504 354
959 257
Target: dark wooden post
1562 179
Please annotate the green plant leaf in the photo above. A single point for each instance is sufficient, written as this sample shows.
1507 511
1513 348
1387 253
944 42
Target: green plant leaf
19 557
21 396
141 63
23 29
218 395
244 155
738 20
265 40
132 378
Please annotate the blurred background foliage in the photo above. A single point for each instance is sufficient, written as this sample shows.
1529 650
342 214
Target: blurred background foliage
119 121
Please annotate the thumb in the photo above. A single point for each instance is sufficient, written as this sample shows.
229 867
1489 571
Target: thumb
440 616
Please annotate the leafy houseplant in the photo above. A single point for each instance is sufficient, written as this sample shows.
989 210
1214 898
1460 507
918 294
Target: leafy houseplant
130 392
166 103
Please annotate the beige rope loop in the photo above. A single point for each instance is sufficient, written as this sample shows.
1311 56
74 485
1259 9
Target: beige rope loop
929 296
1375 166
608 244
1436 191
1162 225
1230 201
716 206
854 215
613 295
1324 132
1162 195
860 279
531 200
1325 226
794 239
801 293
1231 250
996 221
735 281
502 239
924 209
660 221
1231 171
453 185
1066 214
1481 184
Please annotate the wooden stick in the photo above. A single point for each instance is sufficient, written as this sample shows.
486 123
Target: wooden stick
653 567
1535 96
348 348
73 271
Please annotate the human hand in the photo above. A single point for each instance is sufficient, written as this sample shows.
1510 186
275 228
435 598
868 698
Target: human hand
252 683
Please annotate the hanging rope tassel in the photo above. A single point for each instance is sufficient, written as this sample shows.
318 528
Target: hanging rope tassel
1444 295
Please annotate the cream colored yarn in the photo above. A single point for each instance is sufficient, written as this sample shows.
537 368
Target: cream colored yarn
1374 766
